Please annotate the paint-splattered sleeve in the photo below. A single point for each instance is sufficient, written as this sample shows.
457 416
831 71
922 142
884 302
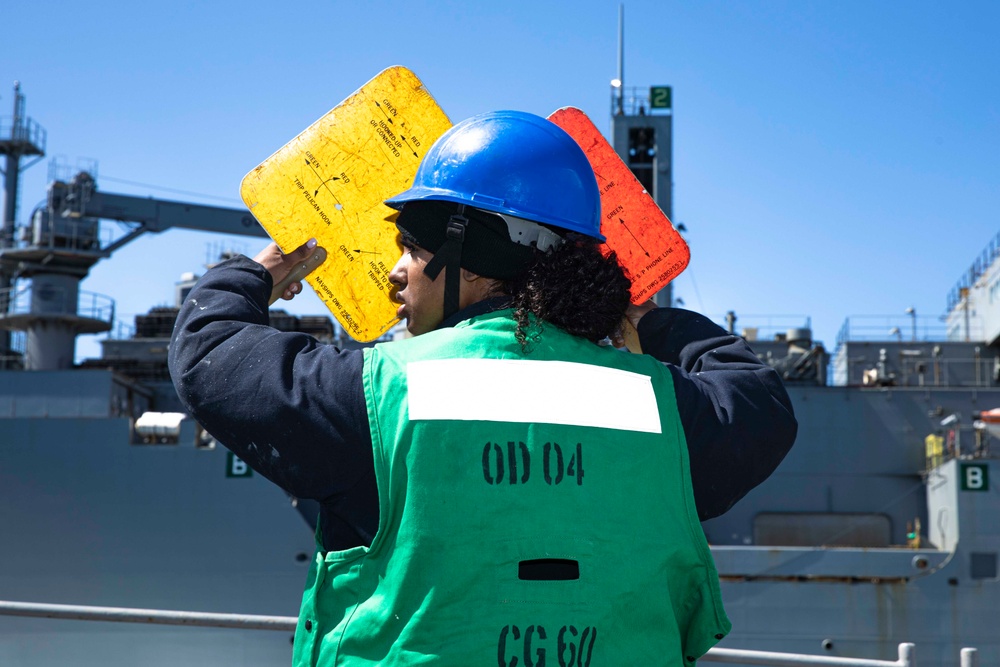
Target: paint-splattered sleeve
291 407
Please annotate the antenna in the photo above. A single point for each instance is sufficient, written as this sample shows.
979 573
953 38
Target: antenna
621 59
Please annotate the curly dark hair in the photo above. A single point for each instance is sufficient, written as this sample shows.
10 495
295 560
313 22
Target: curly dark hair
575 287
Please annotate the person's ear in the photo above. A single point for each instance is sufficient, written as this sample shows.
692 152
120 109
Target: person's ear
476 287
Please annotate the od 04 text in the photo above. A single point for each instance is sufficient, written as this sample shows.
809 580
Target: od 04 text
512 464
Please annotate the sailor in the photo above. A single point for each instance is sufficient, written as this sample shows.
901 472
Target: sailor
503 487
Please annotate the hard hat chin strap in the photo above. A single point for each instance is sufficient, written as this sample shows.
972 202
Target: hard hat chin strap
449 256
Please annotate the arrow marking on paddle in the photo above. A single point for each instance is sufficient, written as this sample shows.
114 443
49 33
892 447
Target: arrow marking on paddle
323 184
633 236
387 117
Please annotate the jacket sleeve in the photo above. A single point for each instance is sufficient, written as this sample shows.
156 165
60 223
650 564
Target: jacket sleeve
737 416
291 407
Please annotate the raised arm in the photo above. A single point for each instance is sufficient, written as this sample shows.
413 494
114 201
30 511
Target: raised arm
737 416
291 407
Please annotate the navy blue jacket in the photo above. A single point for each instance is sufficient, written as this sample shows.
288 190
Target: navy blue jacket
294 410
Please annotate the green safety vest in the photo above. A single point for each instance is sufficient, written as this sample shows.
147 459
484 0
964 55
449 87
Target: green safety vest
535 509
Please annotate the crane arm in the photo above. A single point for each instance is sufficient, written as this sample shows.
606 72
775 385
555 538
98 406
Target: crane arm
157 215
74 208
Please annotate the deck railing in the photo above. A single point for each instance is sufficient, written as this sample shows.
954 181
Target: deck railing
907 651
154 616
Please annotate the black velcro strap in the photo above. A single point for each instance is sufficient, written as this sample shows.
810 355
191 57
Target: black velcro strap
449 256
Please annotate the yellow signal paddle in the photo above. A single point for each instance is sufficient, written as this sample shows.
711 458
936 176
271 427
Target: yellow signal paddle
329 183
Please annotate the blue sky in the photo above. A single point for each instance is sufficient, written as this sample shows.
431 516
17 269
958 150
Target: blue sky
830 158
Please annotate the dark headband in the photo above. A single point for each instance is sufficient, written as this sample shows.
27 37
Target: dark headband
486 248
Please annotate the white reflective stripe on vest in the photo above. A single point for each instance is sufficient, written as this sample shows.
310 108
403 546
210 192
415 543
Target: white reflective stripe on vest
550 392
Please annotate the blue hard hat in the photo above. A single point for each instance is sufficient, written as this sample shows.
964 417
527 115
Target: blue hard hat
514 163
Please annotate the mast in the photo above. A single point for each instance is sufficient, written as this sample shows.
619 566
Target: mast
642 134
19 137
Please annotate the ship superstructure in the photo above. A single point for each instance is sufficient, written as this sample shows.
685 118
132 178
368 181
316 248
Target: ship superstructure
882 526
111 496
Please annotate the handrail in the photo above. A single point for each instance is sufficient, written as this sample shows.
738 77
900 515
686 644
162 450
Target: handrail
19 301
23 130
894 328
979 266
907 651
155 616
907 658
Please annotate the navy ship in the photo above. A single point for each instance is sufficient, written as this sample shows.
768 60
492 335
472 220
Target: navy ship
881 528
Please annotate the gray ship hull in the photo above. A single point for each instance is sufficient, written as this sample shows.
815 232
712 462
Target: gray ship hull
91 517
88 518
825 557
